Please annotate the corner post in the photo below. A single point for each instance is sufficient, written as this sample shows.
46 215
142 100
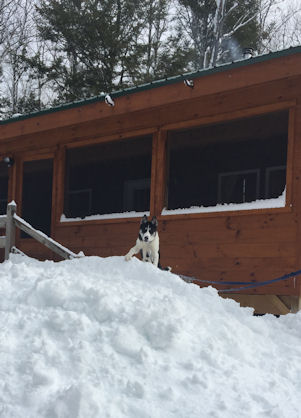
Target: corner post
10 228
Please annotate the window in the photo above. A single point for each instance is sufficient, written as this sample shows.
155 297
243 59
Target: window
3 187
108 178
233 162
238 186
37 194
275 181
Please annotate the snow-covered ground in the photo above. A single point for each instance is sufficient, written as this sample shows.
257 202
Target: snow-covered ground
100 338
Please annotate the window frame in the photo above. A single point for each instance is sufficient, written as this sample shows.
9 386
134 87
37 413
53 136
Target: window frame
233 173
59 222
289 106
159 165
269 170
30 157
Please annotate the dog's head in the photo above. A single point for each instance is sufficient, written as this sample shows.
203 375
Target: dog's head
148 229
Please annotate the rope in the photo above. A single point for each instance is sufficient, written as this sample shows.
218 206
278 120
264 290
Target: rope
193 279
246 285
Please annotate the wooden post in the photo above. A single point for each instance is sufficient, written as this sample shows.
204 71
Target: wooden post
161 172
295 304
10 228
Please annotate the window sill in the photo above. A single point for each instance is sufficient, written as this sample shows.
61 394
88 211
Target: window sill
168 215
249 207
107 218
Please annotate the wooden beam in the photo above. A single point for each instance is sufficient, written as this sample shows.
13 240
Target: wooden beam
153 187
161 172
290 156
44 239
295 304
58 187
296 196
87 140
232 115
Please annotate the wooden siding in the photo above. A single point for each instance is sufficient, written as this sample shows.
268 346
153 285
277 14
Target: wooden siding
249 245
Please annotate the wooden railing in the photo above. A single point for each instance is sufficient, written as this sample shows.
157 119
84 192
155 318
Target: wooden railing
11 221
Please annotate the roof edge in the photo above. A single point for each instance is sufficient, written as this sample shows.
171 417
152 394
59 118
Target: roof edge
158 83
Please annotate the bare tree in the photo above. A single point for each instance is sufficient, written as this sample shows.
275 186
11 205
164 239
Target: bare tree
155 27
16 83
8 9
212 25
280 25
215 26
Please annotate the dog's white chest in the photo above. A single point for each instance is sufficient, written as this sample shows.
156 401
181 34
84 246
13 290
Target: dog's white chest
149 250
147 243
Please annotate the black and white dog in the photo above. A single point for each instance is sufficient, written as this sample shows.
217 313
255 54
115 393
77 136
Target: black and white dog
147 242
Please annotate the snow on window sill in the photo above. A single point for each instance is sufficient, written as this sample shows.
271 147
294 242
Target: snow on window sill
278 202
105 216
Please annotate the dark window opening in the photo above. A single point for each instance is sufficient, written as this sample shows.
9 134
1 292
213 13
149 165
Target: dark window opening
37 194
232 162
275 181
239 187
108 178
3 188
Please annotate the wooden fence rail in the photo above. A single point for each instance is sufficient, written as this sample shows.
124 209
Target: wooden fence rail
11 220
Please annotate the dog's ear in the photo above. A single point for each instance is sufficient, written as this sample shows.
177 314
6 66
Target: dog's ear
155 221
143 220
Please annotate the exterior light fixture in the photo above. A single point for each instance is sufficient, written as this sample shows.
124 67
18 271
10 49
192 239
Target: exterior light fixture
109 101
248 53
189 83
9 161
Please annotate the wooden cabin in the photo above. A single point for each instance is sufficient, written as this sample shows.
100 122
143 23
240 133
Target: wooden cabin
218 163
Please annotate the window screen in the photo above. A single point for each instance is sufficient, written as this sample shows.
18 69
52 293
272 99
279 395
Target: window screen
3 187
108 178
233 162
37 194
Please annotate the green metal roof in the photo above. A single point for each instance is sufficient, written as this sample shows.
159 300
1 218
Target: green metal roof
160 83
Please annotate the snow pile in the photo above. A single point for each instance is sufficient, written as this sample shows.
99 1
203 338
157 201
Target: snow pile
278 202
131 214
97 337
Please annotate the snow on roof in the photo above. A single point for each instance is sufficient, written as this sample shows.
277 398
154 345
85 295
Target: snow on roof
97 337
160 83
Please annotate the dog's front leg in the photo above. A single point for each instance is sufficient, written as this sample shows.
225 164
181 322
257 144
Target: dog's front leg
144 254
133 251
156 259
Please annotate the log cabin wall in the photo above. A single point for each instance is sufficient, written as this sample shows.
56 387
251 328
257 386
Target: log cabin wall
250 245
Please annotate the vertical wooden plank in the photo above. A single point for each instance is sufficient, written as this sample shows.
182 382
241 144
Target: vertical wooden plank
295 304
12 182
290 155
58 186
153 175
160 194
296 192
10 229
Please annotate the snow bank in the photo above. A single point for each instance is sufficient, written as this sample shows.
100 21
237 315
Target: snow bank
132 214
95 337
278 202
